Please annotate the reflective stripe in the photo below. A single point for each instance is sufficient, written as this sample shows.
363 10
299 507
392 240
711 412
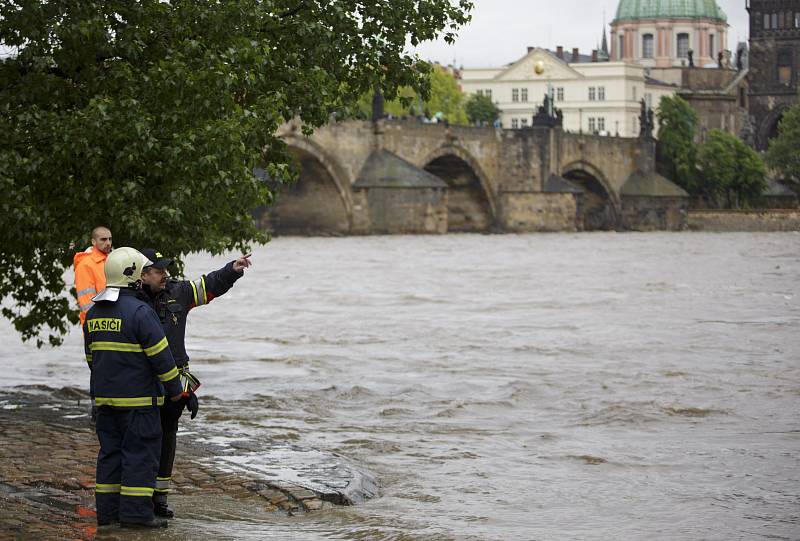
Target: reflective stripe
116 346
85 305
139 401
89 359
199 291
194 292
136 491
103 488
162 484
170 374
83 292
158 348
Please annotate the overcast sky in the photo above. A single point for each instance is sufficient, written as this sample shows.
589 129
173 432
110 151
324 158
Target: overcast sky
501 30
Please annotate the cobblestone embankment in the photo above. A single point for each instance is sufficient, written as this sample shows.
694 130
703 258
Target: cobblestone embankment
47 459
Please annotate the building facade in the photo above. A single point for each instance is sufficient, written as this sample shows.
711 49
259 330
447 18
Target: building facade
594 96
661 33
774 64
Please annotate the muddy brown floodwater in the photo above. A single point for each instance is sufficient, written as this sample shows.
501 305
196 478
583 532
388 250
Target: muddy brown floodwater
595 386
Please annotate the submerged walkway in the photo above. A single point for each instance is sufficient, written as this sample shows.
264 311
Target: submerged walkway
47 463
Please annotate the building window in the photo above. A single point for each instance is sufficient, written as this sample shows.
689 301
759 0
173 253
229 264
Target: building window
648 99
515 94
766 21
797 20
785 67
523 123
479 92
488 93
601 124
683 45
514 123
524 94
742 98
621 47
774 22
560 93
634 93
592 93
601 93
592 125
711 52
647 46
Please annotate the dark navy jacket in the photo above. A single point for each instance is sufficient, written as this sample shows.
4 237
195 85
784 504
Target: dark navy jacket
129 354
172 304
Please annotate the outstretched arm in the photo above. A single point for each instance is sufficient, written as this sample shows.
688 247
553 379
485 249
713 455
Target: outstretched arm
216 283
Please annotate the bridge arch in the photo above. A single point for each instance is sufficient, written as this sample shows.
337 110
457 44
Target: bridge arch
471 201
320 201
599 205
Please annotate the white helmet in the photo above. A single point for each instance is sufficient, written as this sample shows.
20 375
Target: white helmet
123 268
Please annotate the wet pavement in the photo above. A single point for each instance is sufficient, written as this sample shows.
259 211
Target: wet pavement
47 460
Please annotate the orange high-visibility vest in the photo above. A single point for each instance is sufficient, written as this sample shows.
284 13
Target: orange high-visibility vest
90 277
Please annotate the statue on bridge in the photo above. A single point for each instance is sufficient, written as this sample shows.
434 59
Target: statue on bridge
646 121
548 115
377 106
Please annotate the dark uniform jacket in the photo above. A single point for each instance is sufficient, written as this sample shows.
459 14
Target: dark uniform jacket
128 353
173 303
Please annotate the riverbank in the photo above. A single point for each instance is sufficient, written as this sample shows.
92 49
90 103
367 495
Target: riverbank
47 460
754 221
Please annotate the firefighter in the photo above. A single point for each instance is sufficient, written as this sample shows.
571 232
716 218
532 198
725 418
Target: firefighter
172 300
131 367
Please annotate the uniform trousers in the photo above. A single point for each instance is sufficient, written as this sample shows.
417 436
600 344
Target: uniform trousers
130 447
170 414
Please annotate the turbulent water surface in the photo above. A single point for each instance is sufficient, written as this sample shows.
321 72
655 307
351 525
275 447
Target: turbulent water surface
596 386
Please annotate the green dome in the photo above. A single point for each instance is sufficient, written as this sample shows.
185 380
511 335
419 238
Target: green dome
669 9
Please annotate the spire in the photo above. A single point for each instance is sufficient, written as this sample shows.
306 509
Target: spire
604 46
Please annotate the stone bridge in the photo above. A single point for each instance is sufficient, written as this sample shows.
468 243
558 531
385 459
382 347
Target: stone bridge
403 176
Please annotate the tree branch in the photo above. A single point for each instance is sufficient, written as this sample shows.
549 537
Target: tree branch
294 11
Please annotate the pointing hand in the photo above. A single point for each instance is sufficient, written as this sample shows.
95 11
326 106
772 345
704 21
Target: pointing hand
242 263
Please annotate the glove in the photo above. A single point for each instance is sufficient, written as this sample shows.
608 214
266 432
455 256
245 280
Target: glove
192 404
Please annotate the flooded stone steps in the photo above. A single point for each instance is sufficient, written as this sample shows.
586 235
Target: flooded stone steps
47 460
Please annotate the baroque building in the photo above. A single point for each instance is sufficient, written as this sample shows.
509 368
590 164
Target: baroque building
774 64
685 43
595 96
661 33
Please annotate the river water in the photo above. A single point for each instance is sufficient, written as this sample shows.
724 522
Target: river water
593 386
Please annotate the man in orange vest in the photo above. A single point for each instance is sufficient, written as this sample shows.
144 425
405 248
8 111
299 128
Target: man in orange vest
90 278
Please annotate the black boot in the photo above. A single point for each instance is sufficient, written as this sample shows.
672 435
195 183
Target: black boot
160 507
155 523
